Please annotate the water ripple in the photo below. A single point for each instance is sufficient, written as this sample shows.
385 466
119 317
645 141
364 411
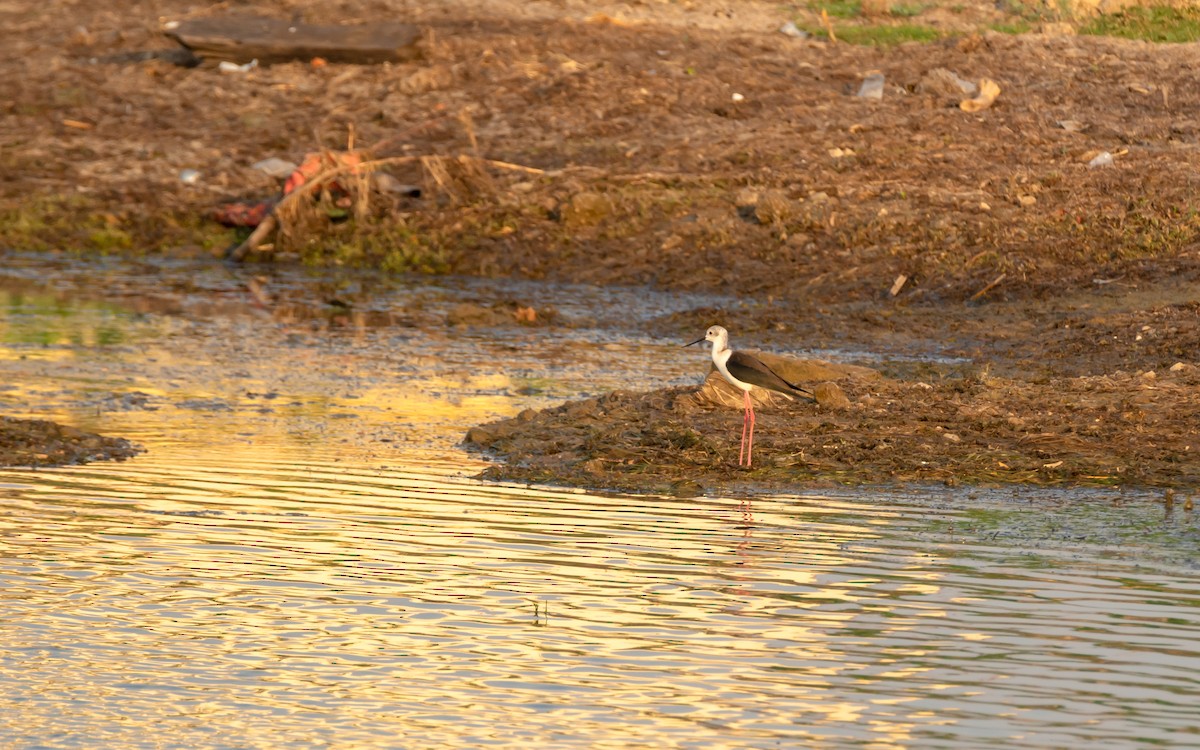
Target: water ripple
354 606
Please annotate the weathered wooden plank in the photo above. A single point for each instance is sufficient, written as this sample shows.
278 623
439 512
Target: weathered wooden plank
244 38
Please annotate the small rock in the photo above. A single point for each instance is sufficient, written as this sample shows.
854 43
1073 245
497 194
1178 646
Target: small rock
872 87
275 167
773 207
586 209
1178 366
582 410
226 66
951 437
830 396
385 183
989 90
789 28
468 314
479 436
1026 200
947 83
747 196
671 243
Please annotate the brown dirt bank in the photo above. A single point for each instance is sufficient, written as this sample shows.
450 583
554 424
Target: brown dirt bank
37 442
1124 429
654 173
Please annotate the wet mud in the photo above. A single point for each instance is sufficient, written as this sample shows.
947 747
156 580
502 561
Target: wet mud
1123 429
38 442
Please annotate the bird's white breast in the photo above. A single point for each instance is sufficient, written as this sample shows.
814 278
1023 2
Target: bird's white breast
720 358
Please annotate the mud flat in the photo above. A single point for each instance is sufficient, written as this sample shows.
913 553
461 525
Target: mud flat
38 442
1122 429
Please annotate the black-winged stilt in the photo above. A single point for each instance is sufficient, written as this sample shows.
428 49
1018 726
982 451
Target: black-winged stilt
745 372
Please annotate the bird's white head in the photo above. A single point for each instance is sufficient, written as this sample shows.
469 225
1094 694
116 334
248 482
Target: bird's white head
718 336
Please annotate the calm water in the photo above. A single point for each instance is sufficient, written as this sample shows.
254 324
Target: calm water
302 560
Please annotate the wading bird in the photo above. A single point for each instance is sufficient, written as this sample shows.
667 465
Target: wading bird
745 372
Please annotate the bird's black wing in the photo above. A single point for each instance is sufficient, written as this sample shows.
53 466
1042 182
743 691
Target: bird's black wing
753 371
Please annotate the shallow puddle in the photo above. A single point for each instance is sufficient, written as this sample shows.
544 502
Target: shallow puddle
301 559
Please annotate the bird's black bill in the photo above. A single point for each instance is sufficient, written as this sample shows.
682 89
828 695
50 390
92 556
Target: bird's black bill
697 341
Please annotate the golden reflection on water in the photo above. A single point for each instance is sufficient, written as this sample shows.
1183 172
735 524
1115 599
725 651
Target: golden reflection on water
269 385
376 608
406 599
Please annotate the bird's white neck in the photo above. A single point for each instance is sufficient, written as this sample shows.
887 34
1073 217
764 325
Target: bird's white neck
721 354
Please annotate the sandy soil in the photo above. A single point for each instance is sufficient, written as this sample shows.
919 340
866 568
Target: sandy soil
692 146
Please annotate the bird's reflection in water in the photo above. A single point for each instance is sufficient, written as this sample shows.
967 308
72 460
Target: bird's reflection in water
541 613
747 527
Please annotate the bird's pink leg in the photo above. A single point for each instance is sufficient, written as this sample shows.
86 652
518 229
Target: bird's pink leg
750 446
745 424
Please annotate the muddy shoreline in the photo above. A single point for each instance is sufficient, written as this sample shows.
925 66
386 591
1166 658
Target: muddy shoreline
37 443
976 407
1122 430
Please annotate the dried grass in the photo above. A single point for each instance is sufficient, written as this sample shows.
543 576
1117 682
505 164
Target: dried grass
305 212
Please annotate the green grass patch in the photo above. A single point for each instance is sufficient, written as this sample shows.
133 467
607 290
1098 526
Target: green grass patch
1012 27
1152 23
838 8
908 10
847 9
85 225
107 239
390 245
70 223
888 36
881 35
